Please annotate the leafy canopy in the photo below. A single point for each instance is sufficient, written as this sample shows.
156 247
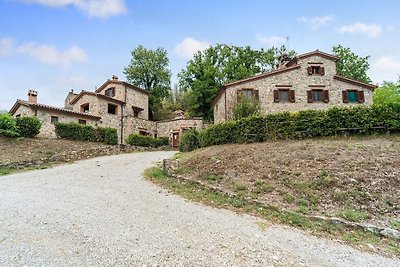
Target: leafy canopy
388 93
351 65
210 69
148 69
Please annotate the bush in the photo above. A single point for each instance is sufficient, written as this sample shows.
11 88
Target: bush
107 135
246 108
8 126
75 131
190 140
308 123
146 141
28 126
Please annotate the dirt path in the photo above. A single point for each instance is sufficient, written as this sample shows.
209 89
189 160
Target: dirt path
100 212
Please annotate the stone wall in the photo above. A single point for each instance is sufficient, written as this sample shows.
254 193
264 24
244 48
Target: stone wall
164 128
92 100
300 82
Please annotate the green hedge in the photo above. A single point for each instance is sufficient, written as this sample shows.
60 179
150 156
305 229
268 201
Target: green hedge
28 126
307 123
146 141
75 131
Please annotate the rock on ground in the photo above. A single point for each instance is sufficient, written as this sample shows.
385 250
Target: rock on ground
100 212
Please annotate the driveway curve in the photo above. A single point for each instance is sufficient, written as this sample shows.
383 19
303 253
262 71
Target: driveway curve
100 212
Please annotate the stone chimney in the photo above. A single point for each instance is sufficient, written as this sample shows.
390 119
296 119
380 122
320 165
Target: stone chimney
32 96
114 77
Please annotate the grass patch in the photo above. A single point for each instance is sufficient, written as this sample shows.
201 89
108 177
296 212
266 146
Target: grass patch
199 193
354 215
5 171
261 187
394 224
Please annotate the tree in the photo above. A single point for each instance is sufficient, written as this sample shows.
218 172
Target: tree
388 93
149 70
210 69
351 65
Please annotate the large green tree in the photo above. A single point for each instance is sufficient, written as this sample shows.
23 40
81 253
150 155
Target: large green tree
351 65
210 69
148 69
387 93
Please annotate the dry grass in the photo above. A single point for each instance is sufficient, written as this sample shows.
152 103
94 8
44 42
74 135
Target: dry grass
355 178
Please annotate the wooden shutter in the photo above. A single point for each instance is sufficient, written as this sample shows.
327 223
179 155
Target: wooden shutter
276 96
361 98
326 96
239 95
292 96
256 95
345 96
310 96
322 70
309 70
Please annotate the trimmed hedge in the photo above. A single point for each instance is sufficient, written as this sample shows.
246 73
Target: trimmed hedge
75 131
28 126
146 141
8 126
307 123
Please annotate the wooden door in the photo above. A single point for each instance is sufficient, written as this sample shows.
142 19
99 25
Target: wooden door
175 139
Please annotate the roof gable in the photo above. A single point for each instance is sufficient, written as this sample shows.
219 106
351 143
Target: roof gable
128 85
73 101
20 102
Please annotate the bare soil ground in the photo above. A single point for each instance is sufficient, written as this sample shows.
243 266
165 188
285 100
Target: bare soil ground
355 178
30 149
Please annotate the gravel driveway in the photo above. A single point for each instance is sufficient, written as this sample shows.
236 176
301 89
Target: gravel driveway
100 212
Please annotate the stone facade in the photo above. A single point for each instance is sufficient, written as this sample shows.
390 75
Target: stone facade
115 104
295 77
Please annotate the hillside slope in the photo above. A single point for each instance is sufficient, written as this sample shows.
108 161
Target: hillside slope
354 178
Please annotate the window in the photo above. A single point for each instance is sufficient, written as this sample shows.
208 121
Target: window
136 111
316 70
144 132
85 108
284 96
247 93
110 92
112 109
54 119
318 95
353 96
81 121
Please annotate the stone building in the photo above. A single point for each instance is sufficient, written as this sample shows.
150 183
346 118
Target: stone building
308 81
114 104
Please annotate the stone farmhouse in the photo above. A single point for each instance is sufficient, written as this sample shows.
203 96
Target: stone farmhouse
114 104
308 81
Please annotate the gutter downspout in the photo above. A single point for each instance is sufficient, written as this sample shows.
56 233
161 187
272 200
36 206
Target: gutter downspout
122 117
225 103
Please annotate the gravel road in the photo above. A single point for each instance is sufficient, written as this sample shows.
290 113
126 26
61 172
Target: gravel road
100 212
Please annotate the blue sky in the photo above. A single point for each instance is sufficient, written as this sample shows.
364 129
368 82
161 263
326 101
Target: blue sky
54 46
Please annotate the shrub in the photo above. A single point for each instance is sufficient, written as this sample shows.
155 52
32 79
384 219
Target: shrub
28 126
75 131
146 141
190 140
107 135
245 108
308 123
8 126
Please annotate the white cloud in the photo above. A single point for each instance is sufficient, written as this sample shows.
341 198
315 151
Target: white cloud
44 53
371 30
6 46
271 40
189 46
92 8
316 22
387 63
